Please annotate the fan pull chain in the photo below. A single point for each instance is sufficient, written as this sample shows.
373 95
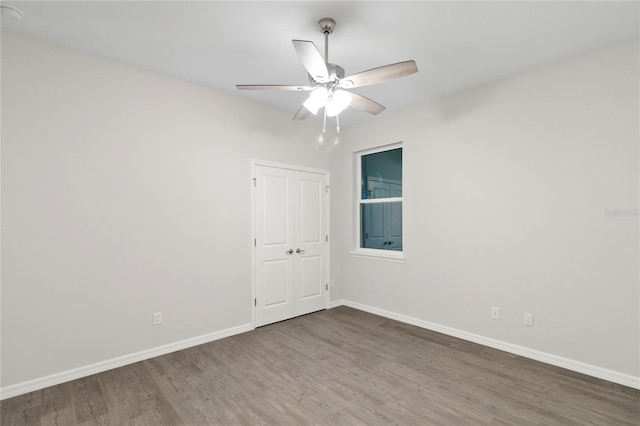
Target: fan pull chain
338 123
324 121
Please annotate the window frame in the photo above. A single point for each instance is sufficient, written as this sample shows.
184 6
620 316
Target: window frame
369 253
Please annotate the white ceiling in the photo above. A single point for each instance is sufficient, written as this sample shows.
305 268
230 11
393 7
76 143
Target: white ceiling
456 45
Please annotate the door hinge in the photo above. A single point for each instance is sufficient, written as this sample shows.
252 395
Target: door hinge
255 302
254 182
326 189
326 238
326 286
255 242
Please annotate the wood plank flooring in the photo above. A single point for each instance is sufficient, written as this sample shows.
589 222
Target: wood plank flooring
335 367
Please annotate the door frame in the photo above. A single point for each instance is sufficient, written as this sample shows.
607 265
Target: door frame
327 253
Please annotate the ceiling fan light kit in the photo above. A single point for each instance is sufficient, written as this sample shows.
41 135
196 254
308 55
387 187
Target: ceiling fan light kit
328 84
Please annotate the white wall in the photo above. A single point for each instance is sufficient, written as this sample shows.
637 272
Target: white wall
505 192
124 193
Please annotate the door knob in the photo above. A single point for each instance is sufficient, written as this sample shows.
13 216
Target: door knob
299 251
290 251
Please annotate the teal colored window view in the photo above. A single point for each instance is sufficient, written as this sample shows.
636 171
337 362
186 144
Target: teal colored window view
382 174
381 200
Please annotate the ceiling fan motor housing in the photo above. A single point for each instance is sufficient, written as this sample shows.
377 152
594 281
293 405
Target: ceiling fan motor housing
336 73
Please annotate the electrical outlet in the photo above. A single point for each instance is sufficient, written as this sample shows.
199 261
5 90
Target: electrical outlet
157 318
528 319
495 313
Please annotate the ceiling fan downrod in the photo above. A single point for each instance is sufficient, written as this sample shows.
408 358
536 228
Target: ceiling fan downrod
326 25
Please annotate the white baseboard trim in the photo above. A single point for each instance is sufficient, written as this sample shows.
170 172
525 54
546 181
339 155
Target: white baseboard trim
76 373
99 367
336 303
558 361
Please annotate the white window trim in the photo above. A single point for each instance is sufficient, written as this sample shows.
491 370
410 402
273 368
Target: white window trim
368 253
381 200
385 255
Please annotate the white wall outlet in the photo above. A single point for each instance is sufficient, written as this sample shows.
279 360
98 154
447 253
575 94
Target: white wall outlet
495 313
157 318
528 319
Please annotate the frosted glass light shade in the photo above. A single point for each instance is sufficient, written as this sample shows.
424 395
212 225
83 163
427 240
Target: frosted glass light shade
340 100
317 99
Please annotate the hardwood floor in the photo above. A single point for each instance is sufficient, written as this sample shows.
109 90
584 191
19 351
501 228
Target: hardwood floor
335 367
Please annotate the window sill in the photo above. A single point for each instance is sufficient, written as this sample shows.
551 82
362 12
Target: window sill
383 255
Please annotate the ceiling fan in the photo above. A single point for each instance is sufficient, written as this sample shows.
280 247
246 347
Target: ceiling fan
328 86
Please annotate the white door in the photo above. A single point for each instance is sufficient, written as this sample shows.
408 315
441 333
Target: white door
274 257
290 245
310 243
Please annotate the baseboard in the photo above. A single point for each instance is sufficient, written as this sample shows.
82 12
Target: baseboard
558 361
99 367
336 303
76 373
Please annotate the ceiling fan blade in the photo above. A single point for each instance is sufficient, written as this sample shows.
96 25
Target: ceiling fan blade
273 87
302 113
311 60
380 74
361 103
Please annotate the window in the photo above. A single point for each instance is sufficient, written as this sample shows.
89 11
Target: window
380 202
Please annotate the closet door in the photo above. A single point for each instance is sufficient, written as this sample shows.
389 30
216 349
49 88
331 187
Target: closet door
274 254
310 243
290 231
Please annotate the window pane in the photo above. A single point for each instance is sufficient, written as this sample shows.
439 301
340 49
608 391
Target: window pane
381 226
382 174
